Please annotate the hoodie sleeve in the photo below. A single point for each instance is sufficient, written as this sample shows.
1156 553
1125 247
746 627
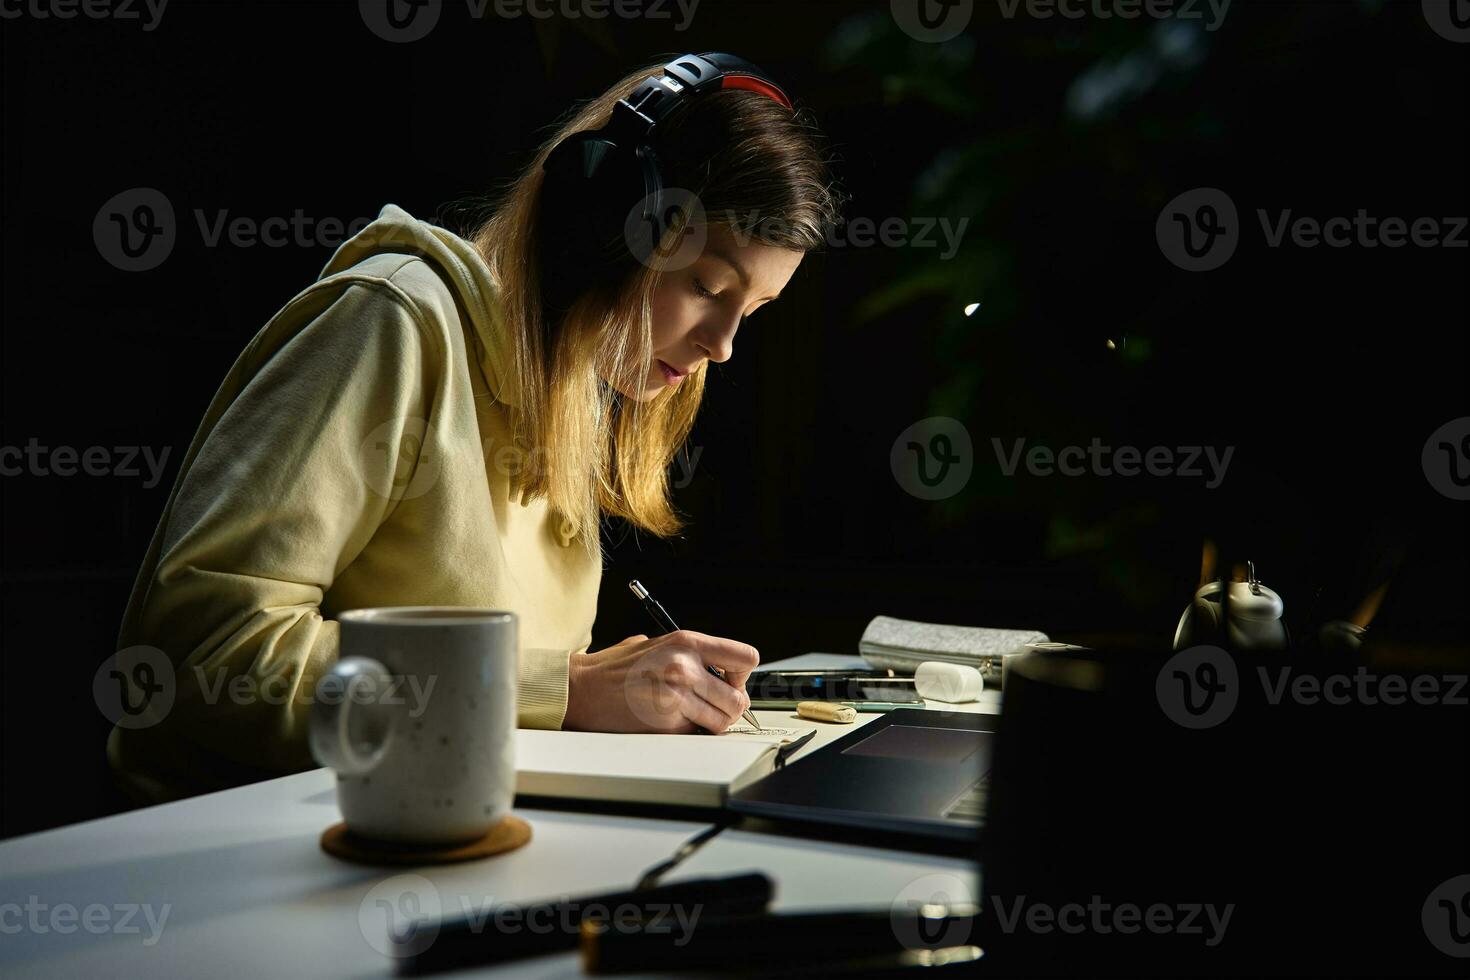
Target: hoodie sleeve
274 506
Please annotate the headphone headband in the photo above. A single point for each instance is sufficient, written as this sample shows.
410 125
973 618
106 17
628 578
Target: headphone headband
686 77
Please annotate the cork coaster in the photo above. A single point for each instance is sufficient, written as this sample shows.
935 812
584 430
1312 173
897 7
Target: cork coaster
510 833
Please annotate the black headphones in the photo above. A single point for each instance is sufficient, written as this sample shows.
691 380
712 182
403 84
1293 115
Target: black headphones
595 179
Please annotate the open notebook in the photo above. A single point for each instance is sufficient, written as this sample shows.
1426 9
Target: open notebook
682 770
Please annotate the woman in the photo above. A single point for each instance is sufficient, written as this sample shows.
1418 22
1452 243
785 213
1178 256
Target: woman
442 420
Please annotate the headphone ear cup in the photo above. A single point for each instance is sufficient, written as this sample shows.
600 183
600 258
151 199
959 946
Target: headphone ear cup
568 193
626 191
573 234
645 220
576 158
592 196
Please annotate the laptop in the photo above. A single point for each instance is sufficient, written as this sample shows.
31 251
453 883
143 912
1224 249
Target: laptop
911 771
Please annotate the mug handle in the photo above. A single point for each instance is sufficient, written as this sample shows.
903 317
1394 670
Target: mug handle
350 725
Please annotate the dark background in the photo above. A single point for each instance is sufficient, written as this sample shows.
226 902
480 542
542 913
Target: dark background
1060 140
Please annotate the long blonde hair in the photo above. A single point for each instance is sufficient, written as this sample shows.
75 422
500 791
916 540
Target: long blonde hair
741 154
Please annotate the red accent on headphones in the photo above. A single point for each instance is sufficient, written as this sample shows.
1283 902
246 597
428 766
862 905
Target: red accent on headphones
753 84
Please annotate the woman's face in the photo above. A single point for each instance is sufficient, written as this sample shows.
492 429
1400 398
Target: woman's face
699 304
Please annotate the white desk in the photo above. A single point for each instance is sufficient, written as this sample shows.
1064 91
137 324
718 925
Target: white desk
237 885
247 890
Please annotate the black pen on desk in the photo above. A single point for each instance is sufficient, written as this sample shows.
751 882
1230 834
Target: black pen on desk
666 623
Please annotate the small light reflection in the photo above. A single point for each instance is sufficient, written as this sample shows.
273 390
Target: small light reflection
969 310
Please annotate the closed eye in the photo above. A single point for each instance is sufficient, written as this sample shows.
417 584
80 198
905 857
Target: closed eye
701 291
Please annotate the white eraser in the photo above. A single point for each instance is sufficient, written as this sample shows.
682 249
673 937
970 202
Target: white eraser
935 680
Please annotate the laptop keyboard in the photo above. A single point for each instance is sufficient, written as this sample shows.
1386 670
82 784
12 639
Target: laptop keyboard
970 807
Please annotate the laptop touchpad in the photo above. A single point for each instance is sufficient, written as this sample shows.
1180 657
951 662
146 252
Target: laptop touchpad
942 745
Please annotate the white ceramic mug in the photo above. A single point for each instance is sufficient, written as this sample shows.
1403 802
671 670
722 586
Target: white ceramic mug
418 719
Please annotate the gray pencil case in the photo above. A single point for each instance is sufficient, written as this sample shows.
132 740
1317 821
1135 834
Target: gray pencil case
902 645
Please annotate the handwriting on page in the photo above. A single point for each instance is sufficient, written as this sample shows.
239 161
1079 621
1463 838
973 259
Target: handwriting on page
777 732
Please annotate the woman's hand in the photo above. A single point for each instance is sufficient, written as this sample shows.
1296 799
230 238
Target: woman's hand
659 685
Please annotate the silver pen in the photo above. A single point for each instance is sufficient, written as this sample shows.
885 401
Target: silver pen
666 623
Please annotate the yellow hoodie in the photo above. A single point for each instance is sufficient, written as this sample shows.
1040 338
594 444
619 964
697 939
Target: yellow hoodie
359 453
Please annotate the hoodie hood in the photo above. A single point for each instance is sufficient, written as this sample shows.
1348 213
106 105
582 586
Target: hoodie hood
459 264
